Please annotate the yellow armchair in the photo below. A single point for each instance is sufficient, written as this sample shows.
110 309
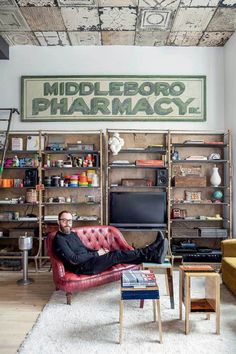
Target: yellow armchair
228 263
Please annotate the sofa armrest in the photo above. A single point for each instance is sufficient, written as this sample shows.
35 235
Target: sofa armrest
228 248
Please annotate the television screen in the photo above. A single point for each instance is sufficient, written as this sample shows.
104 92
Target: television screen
138 209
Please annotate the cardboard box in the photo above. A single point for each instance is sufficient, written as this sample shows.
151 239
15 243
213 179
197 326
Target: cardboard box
189 181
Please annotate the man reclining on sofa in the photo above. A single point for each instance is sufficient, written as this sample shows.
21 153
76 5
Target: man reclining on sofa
79 259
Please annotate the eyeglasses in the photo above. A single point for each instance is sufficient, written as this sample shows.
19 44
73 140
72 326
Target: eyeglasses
66 220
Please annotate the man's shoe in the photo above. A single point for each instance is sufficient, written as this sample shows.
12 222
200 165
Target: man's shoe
157 242
164 251
159 255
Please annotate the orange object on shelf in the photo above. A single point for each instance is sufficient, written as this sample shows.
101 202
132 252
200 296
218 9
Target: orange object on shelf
7 182
149 163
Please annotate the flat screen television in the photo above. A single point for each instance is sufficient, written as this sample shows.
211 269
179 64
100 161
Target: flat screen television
138 209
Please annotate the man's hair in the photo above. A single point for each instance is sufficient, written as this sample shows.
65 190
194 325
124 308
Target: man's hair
62 212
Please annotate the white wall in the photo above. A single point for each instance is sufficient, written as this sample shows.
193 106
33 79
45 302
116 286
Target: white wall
230 100
115 60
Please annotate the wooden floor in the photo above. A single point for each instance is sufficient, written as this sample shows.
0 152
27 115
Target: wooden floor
20 306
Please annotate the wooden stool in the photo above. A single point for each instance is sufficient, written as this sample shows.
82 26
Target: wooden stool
210 303
151 293
168 269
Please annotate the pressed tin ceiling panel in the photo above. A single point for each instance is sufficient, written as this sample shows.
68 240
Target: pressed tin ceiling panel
184 38
228 3
117 3
157 38
192 19
224 18
85 38
196 3
81 18
11 19
164 4
72 3
212 39
52 38
19 38
118 22
36 2
154 19
7 3
43 18
118 19
118 38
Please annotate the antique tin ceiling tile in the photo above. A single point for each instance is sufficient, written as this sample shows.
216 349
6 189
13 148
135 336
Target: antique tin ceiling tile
118 19
192 19
74 3
223 20
85 38
154 19
52 38
118 38
214 39
43 18
81 19
227 3
19 38
184 38
117 3
163 4
157 38
196 3
4 3
11 19
36 2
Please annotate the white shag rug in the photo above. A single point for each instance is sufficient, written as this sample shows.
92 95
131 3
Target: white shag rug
90 325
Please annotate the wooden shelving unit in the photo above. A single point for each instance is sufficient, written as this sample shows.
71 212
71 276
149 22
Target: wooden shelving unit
138 145
84 211
206 212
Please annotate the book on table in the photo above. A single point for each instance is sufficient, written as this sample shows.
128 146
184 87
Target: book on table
138 278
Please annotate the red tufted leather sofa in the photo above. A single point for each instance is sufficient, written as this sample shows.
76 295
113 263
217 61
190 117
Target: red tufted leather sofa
94 237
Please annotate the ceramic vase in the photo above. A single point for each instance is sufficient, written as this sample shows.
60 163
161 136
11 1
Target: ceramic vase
215 177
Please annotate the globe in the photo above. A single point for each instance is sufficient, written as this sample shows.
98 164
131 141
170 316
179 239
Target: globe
217 195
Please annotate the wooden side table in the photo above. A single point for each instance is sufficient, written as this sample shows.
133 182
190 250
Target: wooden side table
151 293
167 268
210 303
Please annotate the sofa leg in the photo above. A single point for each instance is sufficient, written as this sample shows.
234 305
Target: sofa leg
68 297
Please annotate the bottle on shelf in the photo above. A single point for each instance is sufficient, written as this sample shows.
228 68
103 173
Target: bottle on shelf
48 161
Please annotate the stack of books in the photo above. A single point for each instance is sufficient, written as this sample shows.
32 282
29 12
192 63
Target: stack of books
138 279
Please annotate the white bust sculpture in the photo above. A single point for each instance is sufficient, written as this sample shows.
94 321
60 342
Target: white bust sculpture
116 143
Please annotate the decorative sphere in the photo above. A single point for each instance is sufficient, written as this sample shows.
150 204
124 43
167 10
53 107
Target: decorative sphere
217 195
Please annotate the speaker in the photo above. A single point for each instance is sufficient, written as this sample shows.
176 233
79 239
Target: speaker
31 177
162 177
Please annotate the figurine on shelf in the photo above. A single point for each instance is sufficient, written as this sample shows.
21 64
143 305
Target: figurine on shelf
15 162
116 143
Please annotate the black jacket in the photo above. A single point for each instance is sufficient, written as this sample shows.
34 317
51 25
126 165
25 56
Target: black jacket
71 250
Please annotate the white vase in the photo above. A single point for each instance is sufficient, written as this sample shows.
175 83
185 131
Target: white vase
215 177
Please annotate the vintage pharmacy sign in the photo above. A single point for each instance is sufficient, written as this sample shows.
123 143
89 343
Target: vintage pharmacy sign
133 98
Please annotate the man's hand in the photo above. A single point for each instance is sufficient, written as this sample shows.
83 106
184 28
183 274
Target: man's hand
102 251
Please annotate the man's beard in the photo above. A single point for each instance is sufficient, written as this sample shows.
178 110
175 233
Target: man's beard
66 229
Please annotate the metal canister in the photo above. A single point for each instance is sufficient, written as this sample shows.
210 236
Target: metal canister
25 243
